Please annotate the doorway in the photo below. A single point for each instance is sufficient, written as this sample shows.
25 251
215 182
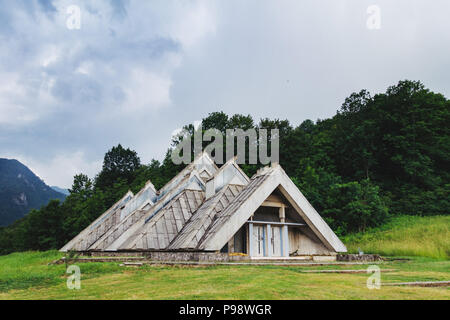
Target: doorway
258 237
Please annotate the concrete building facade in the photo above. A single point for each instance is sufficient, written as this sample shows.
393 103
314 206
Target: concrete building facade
210 210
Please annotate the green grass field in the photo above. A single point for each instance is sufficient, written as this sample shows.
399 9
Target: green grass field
425 240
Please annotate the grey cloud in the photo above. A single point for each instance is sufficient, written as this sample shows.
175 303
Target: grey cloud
47 5
120 7
286 59
78 89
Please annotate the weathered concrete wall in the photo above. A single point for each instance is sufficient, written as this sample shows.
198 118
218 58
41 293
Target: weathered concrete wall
267 214
304 242
240 243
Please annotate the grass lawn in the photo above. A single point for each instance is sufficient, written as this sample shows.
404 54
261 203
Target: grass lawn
425 240
27 276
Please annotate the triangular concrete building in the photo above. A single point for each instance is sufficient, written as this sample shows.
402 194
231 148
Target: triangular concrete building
211 212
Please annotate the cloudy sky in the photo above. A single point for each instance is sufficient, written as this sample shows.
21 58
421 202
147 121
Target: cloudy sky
137 70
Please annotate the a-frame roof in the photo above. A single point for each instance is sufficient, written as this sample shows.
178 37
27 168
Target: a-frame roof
262 185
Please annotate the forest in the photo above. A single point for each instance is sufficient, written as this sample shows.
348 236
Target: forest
380 156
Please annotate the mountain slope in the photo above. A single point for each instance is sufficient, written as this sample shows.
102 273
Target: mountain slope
20 191
61 190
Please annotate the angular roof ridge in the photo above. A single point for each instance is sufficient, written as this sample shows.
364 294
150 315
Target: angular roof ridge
189 231
187 177
132 240
171 193
131 215
189 168
247 191
211 202
232 161
92 225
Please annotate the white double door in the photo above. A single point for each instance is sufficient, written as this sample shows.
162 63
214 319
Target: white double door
267 241
276 234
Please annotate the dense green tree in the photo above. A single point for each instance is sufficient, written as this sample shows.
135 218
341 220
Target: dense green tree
355 135
347 207
43 227
119 163
82 187
216 120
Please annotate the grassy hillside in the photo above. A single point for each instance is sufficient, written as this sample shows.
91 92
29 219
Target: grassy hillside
406 236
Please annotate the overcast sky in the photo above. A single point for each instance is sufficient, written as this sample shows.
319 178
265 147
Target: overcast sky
137 70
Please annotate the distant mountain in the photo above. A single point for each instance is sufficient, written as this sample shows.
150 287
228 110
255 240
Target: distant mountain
20 191
61 190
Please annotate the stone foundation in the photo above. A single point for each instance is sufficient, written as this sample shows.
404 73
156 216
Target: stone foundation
359 257
194 256
324 258
225 257
172 256
113 254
